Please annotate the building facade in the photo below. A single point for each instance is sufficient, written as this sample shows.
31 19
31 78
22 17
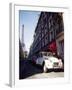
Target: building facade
48 34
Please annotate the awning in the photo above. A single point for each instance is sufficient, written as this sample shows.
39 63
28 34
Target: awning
52 47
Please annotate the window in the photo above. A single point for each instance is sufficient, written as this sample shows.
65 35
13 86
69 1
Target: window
61 46
46 39
49 25
45 31
55 33
51 35
42 42
39 37
42 34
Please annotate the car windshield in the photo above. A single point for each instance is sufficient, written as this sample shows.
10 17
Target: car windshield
50 54
41 54
45 58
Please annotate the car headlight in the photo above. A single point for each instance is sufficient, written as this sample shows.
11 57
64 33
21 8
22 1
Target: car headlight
60 60
60 63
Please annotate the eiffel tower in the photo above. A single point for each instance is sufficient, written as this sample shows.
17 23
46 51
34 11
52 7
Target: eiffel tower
23 44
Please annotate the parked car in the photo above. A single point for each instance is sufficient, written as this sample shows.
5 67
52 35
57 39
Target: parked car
48 61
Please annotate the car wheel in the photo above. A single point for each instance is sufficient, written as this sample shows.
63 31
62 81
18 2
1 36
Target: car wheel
44 69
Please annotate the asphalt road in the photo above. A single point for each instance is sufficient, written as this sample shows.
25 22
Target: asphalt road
29 70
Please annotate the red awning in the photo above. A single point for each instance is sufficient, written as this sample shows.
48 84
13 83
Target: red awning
52 47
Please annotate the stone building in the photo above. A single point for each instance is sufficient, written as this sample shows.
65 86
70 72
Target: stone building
49 34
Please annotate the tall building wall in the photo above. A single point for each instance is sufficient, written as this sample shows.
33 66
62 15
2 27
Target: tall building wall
49 25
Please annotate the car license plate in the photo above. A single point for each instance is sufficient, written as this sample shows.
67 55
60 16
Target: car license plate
55 65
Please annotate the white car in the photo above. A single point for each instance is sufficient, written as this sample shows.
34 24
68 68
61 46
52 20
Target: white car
49 62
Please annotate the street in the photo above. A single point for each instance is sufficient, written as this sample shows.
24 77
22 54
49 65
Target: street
47 75
43 44
28 70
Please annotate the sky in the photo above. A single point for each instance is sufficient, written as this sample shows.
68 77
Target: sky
29 19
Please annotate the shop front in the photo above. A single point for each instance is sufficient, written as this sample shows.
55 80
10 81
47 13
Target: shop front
60 45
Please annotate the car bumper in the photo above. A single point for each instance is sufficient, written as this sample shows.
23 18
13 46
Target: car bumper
51 67
55 69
